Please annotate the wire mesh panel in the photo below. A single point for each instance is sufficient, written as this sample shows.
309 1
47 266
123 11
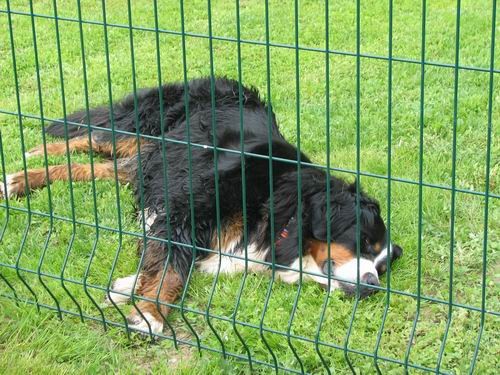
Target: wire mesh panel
396 97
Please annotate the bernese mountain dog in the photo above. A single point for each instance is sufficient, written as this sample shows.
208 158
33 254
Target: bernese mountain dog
189 148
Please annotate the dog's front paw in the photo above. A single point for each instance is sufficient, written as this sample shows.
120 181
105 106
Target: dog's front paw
138 323
121 290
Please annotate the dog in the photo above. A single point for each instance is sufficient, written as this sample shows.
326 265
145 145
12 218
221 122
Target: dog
218 137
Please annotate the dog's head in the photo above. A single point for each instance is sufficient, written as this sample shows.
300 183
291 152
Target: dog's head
341 258
345 215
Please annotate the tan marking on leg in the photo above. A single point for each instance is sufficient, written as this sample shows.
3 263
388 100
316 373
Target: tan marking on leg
79 144
232 231
37 178
125 147
152 287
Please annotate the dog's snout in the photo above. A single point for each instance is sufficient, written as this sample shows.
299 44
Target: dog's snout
370 279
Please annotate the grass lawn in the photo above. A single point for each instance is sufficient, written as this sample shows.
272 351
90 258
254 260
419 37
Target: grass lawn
45 248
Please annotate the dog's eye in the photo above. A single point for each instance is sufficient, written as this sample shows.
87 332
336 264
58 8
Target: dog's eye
328 267
368 246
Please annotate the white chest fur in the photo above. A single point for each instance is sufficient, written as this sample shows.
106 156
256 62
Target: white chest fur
233 260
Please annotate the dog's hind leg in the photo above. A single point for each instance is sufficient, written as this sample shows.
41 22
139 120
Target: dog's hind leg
15 184
79 144
76 130
143 105
77 124
123 147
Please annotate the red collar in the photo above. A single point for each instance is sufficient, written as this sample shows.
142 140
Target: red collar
284 232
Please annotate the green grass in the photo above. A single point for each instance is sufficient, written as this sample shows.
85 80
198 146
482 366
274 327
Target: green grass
39 342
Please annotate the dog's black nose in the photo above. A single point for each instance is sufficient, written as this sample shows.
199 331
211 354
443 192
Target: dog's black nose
370 279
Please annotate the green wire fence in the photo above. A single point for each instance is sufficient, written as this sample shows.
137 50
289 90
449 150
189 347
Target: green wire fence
439 311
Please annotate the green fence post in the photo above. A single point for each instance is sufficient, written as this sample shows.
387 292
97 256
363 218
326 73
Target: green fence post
328 201
115 166
420 185
486 186
389 185
299 183
243 188
92 172
358 177
271 192
165 170
453 191
49 195
23 148
190 171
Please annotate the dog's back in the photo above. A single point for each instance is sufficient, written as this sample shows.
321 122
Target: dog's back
174 110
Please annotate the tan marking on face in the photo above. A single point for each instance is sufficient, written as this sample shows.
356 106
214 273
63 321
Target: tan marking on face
338 253
230 233
377 247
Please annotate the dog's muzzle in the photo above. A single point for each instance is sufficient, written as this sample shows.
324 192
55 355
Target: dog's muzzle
369 276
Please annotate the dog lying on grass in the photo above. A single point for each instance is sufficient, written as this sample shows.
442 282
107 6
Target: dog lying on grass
176 183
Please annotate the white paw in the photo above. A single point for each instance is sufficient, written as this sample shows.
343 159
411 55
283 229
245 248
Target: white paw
136 322
30 154
8 188
121 290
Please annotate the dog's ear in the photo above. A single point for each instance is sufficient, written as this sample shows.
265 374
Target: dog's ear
341 217
318 220
370 208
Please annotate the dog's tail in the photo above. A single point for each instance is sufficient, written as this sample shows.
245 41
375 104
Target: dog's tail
79 123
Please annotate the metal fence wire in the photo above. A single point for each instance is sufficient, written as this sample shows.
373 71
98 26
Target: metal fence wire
398 96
